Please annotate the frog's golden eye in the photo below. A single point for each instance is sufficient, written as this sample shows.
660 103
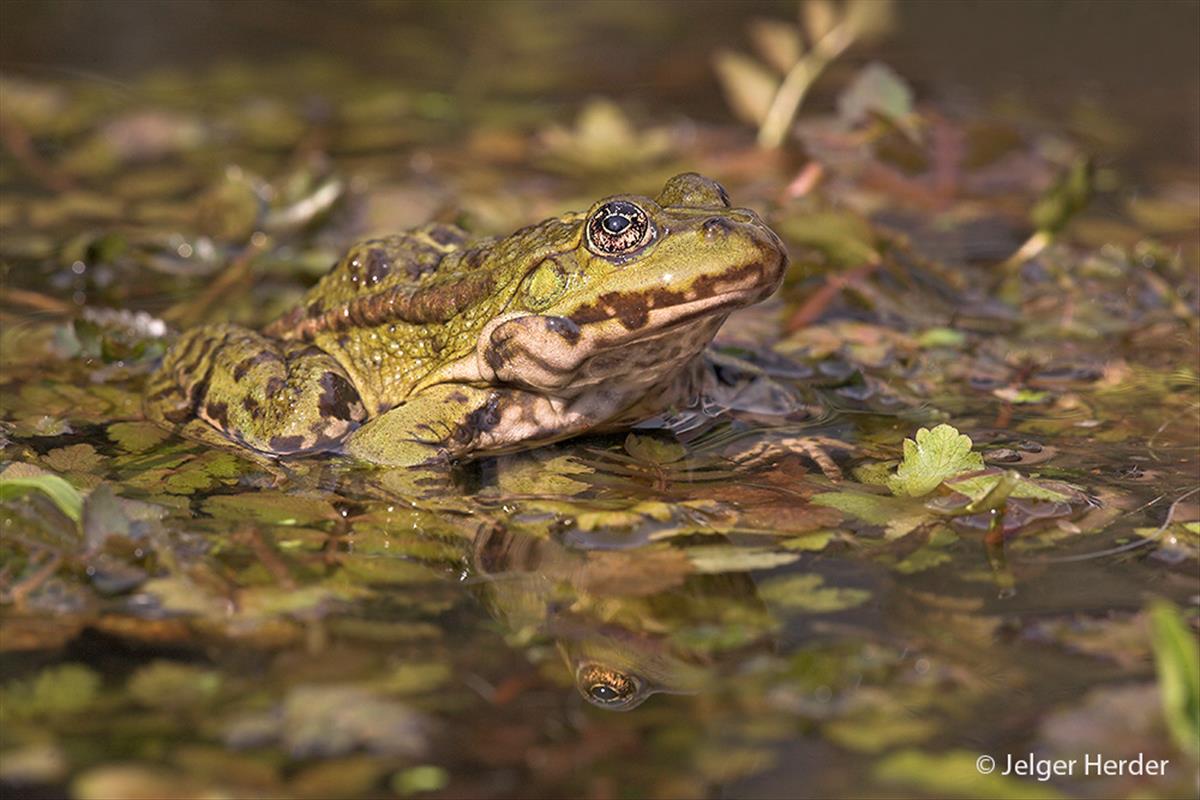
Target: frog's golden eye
608 688
618 228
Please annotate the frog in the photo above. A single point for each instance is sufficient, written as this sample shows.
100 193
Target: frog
429 347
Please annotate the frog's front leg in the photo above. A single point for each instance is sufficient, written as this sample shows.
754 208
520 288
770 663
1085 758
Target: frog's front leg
453 421
275 397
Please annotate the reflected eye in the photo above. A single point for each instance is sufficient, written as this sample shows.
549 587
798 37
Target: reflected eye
609 688
618 228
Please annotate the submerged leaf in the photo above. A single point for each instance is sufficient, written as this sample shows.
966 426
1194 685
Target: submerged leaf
898 515
808 593
173 686
64 689
136 437
654 449
425 778
737 559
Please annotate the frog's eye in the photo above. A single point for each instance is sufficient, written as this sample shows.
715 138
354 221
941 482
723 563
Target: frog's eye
608 688
618 228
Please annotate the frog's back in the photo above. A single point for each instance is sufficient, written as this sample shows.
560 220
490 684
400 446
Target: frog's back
394 309
397 265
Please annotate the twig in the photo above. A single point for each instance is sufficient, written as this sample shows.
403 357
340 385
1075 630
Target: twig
36 300
26 587
269 558
816 305
189 313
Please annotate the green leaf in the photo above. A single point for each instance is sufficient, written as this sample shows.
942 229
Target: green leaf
954 774
977 486
1069 195
416 678
878 89
808 593
936 455
1178 664
818 540
425 778
20 478
73 458
135 437
942 337
749 86
777 42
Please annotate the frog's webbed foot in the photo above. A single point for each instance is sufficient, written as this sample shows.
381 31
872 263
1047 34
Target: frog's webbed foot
816 448
433 426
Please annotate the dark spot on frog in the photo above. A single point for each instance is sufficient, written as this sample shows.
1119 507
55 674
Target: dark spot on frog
632 310
274 386
286 445
565 328
481 420
218 414
445 235
251 406
378 265
474 258
322 441
337 399
315 309
457 397
493 356
263 356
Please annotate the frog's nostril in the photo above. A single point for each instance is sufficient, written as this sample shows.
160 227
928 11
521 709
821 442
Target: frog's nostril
717 225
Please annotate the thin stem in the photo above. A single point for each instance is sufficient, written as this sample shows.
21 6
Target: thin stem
797 82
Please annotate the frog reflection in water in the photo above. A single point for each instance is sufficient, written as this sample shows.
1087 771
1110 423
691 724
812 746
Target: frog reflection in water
420 347
622 639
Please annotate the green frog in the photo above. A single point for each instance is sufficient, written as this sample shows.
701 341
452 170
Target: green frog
424 347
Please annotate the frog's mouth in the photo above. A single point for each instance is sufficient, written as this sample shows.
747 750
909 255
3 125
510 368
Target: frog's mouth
616 318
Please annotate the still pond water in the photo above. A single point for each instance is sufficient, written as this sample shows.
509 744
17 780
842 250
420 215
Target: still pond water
1006 252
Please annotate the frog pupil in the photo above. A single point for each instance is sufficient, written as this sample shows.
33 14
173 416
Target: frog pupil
615 223
603 692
